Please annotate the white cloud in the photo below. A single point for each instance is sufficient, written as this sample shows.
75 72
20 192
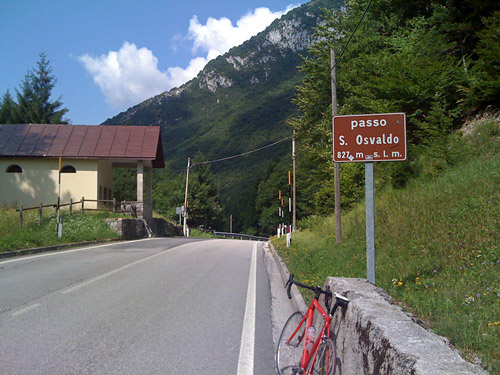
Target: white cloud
131 75
178 76
220 35
126 76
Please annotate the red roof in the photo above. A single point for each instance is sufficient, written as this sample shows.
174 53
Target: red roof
83 141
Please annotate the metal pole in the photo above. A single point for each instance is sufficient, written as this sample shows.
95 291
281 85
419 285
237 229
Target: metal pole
338 209
184 229
59 194
290 216
294 202
370 223
231 223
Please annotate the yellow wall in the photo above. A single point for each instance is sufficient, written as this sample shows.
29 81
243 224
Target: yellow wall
39 181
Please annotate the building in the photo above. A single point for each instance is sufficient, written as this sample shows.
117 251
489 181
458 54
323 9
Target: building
38 163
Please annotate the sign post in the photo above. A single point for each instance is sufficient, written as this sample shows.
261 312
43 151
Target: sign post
369 138
180 211
370 223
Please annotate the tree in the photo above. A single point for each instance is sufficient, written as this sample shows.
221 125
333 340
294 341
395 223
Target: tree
204 207
168 192
8 109
485 81
414 57
267 201
125 184
34 105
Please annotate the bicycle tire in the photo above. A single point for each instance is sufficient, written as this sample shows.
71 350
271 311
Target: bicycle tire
289 354
325 360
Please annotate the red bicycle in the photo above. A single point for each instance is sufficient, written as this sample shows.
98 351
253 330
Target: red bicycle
300 351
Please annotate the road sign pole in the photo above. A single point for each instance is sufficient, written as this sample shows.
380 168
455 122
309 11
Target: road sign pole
185 230
369 138
370 223
336 166
294 201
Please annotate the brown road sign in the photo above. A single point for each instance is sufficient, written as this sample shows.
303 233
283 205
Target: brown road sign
366 138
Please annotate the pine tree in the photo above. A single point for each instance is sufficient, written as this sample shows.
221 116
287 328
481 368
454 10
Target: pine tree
8 109
34 104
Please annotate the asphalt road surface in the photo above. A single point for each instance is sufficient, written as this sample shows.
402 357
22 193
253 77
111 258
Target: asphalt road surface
156 306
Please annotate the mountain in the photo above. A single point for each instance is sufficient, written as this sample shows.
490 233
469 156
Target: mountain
239 102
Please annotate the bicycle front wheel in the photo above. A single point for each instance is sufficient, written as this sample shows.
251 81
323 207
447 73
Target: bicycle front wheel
324 362
289 350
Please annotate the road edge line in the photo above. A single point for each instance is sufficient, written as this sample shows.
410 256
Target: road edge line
246 357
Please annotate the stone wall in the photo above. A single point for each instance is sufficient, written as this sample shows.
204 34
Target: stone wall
162 228
128 229
131 229
374 336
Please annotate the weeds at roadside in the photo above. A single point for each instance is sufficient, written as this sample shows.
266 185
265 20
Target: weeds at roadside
76 228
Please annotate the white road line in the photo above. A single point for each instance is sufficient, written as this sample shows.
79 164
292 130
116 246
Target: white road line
26 309
100 277
72 251
245 361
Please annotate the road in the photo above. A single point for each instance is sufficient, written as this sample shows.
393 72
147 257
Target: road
156 306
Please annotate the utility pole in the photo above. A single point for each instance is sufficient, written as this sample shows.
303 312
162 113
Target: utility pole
184 228
294 200
280 213
290 218
336 166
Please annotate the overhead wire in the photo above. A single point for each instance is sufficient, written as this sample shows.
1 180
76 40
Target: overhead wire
350 37
240 155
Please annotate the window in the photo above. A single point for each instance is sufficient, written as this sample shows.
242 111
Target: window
68 169
14 168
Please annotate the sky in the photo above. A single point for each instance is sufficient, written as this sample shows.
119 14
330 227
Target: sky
109 55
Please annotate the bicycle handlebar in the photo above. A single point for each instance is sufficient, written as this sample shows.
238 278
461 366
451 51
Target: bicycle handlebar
340 300
316 289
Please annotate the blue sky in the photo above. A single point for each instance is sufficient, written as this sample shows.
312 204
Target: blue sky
108 55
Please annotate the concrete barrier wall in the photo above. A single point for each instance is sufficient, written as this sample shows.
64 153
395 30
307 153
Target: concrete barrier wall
375 337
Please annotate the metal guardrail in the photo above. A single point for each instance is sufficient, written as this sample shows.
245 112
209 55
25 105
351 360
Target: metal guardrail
240 236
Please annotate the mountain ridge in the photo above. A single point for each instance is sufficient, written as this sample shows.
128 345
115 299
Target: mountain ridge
240 101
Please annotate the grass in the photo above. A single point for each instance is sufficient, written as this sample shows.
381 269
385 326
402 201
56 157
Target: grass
76 228
438 251
193 232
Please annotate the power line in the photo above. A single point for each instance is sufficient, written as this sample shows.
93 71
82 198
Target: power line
239 155
352 34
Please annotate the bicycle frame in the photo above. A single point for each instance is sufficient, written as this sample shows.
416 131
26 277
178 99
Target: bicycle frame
308 320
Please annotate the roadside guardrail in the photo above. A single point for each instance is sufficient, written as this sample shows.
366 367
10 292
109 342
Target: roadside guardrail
241 236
